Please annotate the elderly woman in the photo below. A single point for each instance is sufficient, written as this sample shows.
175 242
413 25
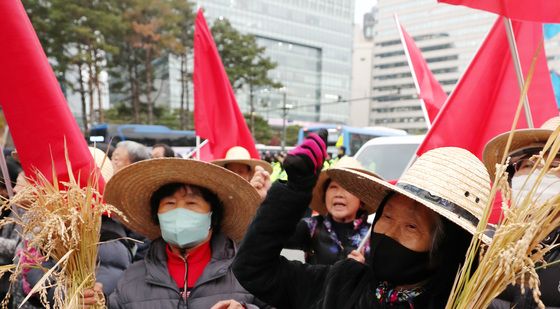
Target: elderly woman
194 212
420 235
341 224
128 152
526 145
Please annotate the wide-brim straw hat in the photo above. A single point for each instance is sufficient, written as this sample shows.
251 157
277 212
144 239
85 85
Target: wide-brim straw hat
318 200
131 189
450 181
102 162
240 155
494 149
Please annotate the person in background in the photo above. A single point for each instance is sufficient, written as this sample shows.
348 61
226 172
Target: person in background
525 146
194 221
341 224
162 151
278 172
341 152
256 172
421 233
128 152
9 237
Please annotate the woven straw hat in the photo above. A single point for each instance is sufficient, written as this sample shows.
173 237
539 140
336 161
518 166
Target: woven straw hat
450 181
102 162
318 200
132 187
494 149
240 155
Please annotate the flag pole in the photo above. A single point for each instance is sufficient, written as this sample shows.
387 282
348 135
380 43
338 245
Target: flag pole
518 69
198 146
414 77
196 151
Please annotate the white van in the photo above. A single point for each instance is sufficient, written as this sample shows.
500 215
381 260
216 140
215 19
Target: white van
389 156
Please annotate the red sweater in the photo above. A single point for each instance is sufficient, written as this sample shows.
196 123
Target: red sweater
196 260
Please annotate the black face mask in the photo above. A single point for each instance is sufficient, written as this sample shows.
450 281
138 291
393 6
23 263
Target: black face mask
395 263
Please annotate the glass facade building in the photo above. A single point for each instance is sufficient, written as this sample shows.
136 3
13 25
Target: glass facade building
448 36
311 40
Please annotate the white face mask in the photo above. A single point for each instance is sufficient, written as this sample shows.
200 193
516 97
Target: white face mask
520 186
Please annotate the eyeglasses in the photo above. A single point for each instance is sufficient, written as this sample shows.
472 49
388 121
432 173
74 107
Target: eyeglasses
529 162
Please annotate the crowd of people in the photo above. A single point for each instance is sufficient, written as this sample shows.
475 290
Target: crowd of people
210 234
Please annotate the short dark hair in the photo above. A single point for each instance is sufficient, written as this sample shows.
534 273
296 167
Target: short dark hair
167 151
207 195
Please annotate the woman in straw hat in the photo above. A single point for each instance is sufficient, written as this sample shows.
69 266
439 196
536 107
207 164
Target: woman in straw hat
524 151
194 212
256 172
341 224
420 235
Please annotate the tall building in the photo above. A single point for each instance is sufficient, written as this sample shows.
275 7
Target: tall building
362 52
311 41
448 36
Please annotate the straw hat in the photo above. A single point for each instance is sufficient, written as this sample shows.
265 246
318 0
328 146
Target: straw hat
132 187
318 200
494 149
450 181
102 162
240 155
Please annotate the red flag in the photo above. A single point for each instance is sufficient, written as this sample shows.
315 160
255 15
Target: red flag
216 114
427 86
544 11
33 103
484 101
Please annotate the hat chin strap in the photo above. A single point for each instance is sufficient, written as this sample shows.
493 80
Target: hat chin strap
447 205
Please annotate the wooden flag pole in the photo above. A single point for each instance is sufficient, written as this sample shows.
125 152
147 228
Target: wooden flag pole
518 70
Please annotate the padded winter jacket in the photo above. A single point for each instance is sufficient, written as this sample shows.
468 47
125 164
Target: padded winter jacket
261 269
147 284
550 284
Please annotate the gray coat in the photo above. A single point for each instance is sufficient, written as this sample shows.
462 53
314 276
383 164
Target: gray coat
147 284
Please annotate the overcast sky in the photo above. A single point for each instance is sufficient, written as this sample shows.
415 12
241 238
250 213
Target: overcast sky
362 7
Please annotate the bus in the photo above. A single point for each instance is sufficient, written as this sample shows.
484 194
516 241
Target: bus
352 138
148 135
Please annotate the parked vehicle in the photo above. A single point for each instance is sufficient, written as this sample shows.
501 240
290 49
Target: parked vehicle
352 138
389 156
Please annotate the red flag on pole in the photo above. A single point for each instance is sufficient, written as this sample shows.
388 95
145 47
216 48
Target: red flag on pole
216 114
33 103
484 101
429 89
544 11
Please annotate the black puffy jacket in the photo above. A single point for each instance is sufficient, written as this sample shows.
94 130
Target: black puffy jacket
261 269
550 284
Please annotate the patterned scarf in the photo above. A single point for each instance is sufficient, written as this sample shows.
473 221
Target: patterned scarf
391 296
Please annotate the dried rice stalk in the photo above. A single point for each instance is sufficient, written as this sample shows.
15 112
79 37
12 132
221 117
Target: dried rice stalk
516 247
62 224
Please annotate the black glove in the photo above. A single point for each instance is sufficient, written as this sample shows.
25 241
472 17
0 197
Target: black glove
304 163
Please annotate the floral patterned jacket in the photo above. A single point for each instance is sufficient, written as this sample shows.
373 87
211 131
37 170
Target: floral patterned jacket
318 239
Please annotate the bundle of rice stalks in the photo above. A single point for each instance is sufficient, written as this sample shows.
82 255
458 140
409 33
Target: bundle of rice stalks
59 222
516 251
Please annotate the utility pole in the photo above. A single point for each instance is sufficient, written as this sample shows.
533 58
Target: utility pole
252 110
285 108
